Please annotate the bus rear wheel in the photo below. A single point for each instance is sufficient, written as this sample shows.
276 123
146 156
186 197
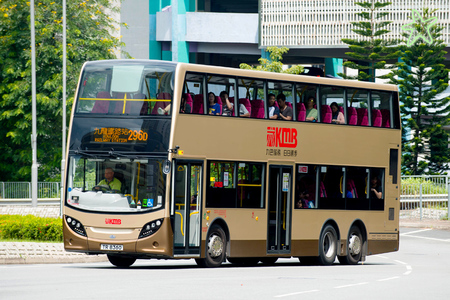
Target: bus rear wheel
328 245
121 261
354 247
215 248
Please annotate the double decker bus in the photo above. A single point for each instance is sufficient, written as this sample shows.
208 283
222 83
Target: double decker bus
156 170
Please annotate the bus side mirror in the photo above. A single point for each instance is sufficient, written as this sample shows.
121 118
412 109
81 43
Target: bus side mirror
166 166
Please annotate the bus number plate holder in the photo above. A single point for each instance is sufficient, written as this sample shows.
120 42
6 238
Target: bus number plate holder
110 247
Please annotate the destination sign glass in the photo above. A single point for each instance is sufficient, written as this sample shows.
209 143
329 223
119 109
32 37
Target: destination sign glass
118 135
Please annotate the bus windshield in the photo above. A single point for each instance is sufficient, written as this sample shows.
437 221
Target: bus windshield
126 88
115 185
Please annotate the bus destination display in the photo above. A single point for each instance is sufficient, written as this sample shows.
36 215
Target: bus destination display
119 135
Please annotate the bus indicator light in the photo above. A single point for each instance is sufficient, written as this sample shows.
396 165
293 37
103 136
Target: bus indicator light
281 137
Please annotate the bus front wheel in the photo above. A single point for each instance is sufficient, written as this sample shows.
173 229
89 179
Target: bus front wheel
328 245
121 261
354 247
215 248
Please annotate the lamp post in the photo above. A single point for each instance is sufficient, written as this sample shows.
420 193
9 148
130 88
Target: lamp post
34 166
63 157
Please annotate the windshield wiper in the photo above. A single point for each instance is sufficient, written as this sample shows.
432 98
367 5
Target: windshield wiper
79 151
117 154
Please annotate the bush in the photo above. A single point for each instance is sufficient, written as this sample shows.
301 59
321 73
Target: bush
30 227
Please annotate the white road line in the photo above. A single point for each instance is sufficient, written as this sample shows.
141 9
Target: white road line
382 256
391 278
428 238
298 293
400 262
350 285
409 268
417 231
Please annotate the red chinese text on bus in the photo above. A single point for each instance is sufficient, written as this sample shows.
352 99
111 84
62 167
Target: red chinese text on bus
281 137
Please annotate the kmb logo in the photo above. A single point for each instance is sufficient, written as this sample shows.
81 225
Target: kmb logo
281 137
113 221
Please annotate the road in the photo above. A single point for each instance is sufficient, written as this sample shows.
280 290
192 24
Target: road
420 270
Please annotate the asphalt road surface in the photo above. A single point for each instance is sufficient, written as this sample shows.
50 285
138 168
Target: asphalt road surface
420 270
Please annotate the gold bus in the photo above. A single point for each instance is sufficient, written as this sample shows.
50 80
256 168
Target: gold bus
176 161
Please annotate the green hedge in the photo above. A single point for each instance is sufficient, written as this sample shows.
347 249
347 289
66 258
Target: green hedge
30 227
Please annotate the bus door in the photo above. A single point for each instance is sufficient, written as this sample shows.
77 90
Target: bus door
185 209
279 209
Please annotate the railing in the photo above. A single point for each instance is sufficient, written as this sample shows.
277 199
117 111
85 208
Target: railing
425 197
21 191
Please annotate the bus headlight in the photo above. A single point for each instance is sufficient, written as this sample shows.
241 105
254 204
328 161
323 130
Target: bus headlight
150 228
76 226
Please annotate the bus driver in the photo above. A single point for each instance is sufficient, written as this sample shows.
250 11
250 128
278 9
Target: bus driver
110 182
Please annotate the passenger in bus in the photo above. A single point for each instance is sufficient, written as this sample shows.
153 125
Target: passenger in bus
194 202
375 188
274 111
228 106
302 201
338 117
285 111
213 107
311 112
110 182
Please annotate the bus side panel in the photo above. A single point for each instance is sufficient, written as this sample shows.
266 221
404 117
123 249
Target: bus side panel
382 243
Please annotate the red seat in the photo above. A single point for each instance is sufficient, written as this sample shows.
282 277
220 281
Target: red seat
301 112
197 107
162 104
376 118
247 104
257 109
325 113
188 99
385 118
363 119
352 188
352 116
101 106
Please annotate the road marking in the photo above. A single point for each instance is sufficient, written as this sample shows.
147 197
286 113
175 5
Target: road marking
409 268
417 231
428 238
400 262
298 293
391 278
350 285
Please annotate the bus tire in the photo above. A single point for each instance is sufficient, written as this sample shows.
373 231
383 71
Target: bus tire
328 245
215 248
121 261
354 247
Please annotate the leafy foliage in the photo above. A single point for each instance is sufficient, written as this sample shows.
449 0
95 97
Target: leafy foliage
30 227
274 64
371 50
421 76
89 37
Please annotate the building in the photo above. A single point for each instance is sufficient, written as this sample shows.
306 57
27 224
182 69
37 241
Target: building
230 32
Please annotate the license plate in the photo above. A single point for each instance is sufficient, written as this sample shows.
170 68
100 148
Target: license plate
111 247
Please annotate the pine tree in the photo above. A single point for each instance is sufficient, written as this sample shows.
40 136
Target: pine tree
371 50
421 76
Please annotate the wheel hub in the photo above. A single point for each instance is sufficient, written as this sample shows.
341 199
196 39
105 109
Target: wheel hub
354 245
329 244
215 246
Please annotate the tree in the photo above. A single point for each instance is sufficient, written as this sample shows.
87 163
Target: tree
274 64
421 77
371 50
89 28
